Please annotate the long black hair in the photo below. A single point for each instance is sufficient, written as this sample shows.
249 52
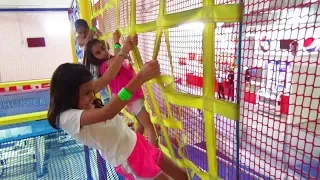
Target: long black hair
89 59
64 90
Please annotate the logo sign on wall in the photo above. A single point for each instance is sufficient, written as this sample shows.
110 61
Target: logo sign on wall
311 45
264 44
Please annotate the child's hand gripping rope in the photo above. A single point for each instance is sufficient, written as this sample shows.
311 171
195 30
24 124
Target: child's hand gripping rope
129 43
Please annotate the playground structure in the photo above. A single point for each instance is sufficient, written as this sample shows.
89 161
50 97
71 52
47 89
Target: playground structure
268 130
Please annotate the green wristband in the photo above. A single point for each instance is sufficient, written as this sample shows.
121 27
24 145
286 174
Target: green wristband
93 29
116 46
124 95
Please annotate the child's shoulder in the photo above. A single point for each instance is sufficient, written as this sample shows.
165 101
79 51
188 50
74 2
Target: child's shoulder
70 114
105 63
69 121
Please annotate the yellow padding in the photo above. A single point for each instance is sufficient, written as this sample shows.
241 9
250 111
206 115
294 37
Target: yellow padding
224 13
111 4
168 82
166 36
165 150
229 13
24 83
124 31
146 27
208 46
226 109
182 99
23 118
85 11
223 108
174 124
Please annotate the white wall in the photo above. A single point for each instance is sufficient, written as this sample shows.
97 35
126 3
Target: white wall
17 61
35 3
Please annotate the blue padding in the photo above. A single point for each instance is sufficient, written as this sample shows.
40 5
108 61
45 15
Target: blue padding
310 169
25 130
104 95
227 167
24 102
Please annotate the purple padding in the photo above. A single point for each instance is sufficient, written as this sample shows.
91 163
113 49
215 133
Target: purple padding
87 158
102 169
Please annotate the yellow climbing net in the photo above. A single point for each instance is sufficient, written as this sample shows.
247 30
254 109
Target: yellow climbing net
182 101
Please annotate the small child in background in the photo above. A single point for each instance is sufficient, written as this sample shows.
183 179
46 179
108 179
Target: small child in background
85 33
220 87
97 54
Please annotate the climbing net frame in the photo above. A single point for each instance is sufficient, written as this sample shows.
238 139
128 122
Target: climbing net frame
124 16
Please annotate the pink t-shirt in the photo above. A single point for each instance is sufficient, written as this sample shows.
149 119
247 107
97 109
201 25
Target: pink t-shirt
123 77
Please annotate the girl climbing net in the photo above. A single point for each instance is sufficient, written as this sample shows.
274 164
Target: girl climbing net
97 54
74 108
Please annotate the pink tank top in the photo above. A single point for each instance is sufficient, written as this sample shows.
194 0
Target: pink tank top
123 77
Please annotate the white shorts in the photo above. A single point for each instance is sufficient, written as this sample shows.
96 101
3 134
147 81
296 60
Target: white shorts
135 107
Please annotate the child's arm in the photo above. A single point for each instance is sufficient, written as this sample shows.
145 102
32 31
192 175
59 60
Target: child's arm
113 69
83 41
116 40
114 66
98 32
115 105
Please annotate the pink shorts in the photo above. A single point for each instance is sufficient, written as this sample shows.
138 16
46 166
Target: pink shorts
143 162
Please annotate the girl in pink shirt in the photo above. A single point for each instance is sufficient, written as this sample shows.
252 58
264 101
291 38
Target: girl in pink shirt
97 54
